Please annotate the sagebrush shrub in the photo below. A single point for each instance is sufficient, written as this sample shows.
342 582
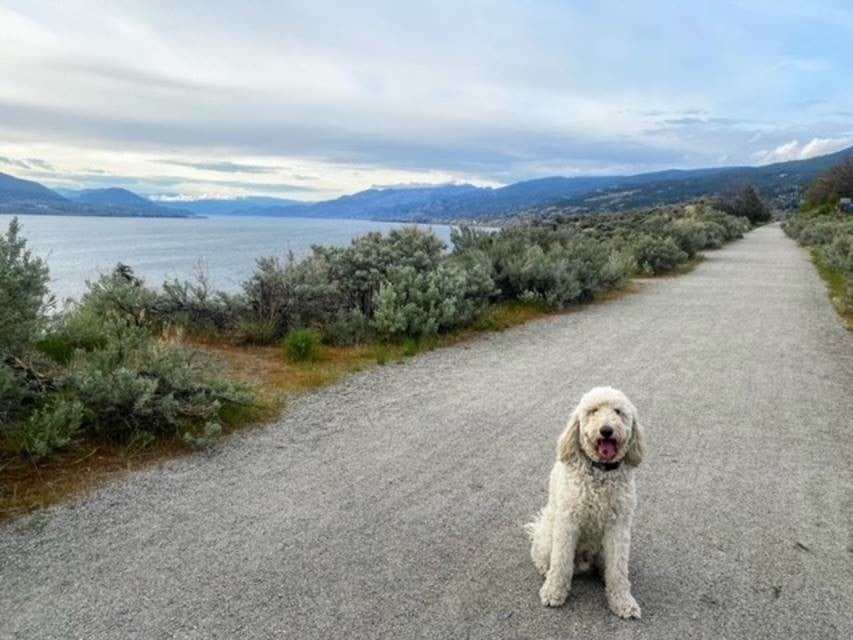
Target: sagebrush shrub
252 330
18 395
423 303
364 267
839 256
282 296
346 327
51 427
657 255
120 297
151 391
196 307
302 345
690 235
832 236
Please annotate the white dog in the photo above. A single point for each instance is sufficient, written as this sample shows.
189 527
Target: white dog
591 500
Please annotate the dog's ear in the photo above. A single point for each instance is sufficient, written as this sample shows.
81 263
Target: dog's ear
568 445
637 445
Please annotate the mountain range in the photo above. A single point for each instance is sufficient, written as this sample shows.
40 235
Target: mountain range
27 197
782 185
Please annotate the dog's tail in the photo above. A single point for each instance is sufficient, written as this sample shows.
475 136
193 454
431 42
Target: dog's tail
532 527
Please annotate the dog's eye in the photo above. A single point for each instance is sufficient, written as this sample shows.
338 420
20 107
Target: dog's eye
593 410
619 411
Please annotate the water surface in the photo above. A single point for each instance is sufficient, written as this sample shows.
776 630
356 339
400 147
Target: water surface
80 248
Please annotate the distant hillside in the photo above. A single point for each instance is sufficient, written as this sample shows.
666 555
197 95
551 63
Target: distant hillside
393 203
121 201
26 197
66 193
113 197
521 196
782 184
226 207
12 189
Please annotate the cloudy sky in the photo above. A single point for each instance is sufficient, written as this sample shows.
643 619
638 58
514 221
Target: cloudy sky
313 99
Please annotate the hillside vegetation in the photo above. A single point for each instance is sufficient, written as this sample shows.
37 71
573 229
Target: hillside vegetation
130 363
406 285
826 229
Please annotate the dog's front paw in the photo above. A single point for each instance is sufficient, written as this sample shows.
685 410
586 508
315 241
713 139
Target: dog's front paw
553 595
624 606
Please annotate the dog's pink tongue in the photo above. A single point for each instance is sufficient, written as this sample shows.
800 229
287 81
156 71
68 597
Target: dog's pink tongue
607 448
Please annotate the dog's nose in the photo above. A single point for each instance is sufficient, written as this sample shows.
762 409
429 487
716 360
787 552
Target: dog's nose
606 432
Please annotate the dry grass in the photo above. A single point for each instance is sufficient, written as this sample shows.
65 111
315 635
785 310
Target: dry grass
836 286
27 484
267 367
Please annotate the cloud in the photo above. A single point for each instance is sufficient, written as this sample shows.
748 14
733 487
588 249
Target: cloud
155 184
692 120
793 150
401 92
223 167
13 163
40 164
28 164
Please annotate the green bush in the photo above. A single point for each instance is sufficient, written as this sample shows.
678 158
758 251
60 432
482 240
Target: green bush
193 305
119 297
364 267
411 347
839 256
346 327
831 236
148 390
252 330
282 296
23 294
18 395
381 355
554 268
302 345
423 303
690 235
51 427
656 255
621 265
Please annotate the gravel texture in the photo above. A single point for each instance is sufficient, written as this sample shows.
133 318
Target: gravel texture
391 505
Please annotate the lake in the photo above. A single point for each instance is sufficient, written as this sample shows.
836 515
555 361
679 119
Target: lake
80 248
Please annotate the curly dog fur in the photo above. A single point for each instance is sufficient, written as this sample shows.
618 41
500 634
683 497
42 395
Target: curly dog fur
591 501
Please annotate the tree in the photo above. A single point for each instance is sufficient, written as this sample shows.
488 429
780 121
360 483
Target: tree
746 204
23 293
835 183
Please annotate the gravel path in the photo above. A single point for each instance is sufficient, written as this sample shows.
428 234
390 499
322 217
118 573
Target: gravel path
391 505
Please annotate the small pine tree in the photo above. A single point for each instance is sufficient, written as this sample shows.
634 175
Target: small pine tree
23 293
749 205
746 204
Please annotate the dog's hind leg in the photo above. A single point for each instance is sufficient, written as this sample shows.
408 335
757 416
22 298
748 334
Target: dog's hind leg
540 531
